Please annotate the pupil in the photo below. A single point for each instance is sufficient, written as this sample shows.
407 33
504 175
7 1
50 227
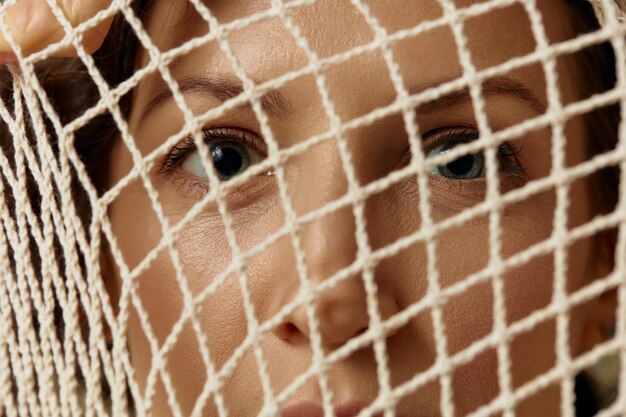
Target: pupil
462 166
227 161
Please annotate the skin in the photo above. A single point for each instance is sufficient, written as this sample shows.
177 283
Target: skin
315 178
33 26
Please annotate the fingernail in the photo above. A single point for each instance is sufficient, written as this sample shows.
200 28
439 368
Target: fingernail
7 58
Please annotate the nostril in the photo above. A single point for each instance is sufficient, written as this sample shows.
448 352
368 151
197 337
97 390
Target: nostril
289 332
360 331
291 329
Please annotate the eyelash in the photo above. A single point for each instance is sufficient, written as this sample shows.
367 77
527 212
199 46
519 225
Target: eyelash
508 153
178 153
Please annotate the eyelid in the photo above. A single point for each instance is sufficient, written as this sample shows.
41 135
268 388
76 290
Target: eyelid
508 153
437 137
177 154
245 136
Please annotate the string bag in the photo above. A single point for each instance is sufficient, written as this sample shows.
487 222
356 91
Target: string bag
67 331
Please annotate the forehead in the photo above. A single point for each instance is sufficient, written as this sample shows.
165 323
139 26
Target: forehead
332 25
424 46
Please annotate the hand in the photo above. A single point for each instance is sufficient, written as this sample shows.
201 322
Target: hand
33 26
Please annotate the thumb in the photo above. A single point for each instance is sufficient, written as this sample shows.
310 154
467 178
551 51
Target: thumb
33 26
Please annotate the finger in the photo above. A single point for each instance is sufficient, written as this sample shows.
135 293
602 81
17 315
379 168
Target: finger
33 25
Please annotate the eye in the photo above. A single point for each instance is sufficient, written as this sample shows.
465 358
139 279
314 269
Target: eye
229 157
466 167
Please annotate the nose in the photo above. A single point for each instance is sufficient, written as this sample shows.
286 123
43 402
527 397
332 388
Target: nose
329 245
341 313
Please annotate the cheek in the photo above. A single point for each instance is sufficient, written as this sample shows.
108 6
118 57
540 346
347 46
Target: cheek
527 287
203 254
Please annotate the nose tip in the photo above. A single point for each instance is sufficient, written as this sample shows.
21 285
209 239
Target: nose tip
341 313
329 245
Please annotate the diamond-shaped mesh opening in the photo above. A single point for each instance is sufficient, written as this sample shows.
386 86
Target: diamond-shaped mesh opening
312 208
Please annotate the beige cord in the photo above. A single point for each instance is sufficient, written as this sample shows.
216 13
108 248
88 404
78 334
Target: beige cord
36 354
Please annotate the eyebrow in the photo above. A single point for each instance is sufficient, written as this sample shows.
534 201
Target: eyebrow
276 104
492 86
222 88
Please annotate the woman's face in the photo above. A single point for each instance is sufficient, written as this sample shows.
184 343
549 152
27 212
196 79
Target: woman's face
314 178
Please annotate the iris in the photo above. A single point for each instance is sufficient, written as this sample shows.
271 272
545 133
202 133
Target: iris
466 167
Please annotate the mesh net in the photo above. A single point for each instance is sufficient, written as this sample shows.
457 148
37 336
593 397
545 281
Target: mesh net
119 296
